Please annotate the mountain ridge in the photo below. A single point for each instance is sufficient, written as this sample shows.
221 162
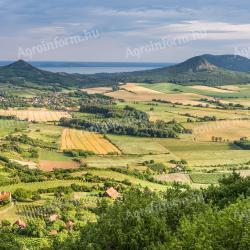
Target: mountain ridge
204 69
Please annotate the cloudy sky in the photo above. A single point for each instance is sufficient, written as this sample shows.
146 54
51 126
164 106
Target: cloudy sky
122 30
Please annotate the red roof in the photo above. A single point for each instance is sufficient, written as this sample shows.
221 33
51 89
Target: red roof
5 196
20 223
53 217
112 193
69 224
53 232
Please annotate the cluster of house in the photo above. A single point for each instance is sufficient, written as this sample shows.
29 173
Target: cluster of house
110 192
52 218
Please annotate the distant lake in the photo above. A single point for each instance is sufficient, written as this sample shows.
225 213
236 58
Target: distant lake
93 67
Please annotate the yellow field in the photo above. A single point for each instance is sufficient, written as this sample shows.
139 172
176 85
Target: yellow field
230 87
98 90
228 130
133 92
87 141
35 115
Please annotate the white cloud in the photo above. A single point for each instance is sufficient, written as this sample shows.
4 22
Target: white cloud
142 13
47 30
215 30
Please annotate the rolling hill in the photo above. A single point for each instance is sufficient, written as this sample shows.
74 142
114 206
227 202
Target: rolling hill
197 70
21 73
206 69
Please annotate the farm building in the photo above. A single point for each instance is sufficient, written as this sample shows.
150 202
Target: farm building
5 196
20 224
53 232
69 225
53 217
112 193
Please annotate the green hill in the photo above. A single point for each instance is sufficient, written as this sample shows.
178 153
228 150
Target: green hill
206 69
197 70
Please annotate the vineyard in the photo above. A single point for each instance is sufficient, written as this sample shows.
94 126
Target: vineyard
87 141
34 186
206 178
35 115
31 211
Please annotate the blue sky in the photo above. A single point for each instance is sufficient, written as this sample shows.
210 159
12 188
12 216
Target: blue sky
124 26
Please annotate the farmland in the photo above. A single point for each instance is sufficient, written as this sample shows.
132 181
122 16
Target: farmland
132 92
228 130
10 126
36 185
86 141
152 137
35 115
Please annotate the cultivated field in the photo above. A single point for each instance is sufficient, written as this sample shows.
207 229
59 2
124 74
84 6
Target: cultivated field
175 177
228 130
121 177
51 165
9 126
87 141
212 89
133 92
35 115
98 90
137 145
33 186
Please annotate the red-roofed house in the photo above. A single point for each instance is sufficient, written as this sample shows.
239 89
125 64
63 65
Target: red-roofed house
69 225
112 193
53 217
20 223
53 232
5 196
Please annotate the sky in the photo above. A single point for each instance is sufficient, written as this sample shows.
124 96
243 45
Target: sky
122 30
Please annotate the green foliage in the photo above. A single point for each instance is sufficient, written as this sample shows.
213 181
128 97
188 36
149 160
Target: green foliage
243 143
78 153
126 121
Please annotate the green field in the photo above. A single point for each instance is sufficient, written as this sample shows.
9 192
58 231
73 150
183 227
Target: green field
243 92
33 186
10 126
207 178
47 155
137 145
46 132
120 177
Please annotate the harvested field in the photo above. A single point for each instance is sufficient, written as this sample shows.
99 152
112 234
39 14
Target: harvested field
131 87
230 87
35 115
87 141
133 92
227 130
212 89
30 164
244 102
98 90
175 177
50 165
